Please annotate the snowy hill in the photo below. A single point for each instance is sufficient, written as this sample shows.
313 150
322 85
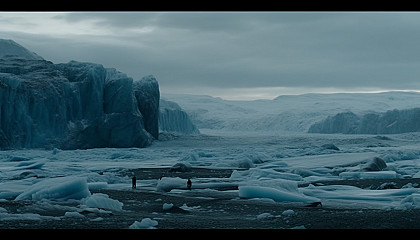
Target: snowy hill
73 105
287 113
10 47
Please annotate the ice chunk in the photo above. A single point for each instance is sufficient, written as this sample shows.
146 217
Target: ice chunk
288 212
167 206
181 167
31 164
63 188
374 164
274 194
144 223
264 215
73 214
410 202
101 200
368 175
166 184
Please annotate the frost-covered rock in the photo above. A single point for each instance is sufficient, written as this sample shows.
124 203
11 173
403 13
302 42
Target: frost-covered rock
330 146
72 105
374 164
172 118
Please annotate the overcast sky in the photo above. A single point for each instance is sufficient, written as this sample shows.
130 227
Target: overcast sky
234 55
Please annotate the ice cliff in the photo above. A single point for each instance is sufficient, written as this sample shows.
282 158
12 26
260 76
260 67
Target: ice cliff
391 122
147 94
75 105
172 118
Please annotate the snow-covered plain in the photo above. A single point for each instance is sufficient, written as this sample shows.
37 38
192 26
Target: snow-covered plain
279 166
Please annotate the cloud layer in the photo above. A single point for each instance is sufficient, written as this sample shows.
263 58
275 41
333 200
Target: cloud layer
218 53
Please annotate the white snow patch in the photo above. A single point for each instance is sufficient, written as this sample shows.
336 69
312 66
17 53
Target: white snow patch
288 212
73 215
167 206
145 223
101 200
264 215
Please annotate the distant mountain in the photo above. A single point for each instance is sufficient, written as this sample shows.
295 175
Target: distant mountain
290 113
10 47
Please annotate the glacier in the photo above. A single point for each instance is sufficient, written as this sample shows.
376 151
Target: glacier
391 122
147 94
298 113
74 105
172 118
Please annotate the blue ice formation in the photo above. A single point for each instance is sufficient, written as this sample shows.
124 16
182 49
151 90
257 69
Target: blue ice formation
74 105
172 118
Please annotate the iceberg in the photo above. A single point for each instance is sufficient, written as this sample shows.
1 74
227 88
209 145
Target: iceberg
172 118
74 105
147 93
63 188
275 194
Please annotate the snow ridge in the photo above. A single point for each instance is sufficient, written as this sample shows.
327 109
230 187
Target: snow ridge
9 47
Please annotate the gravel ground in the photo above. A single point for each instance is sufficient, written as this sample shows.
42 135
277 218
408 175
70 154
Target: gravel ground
223 210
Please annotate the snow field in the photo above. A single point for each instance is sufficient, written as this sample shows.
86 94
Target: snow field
274 171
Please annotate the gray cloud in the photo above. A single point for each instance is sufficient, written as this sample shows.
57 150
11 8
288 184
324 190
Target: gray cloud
191 50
